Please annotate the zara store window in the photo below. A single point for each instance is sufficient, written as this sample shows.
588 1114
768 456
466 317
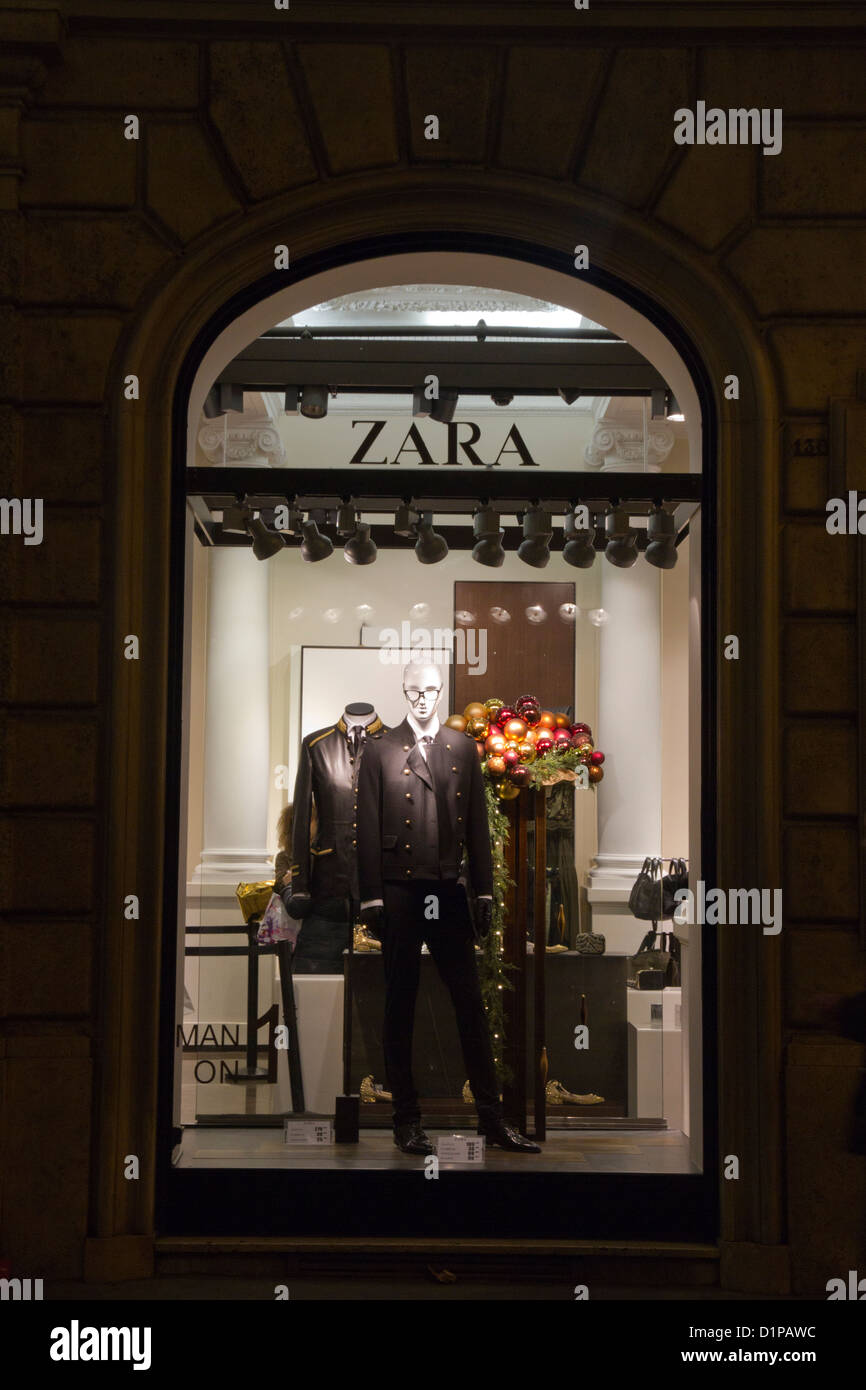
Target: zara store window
458 514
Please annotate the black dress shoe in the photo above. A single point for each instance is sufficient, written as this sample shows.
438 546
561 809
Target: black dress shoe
508 1138
412 1139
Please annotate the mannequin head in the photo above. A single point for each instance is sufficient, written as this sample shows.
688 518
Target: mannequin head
422 688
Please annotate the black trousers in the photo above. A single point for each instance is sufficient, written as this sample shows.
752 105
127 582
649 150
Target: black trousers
449 939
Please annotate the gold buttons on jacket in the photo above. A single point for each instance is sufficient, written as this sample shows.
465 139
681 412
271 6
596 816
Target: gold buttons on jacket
354 843
407 822
459 820
453 769
448 746
407 847
406 771
405 748
459 793
408 873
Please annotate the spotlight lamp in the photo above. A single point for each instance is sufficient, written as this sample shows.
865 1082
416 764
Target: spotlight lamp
534 549
488 538
661 549
360 549
346 519
578 549
621 548
568 394
315 546
430 547
265 543
443 408
406 519
314 402
502 397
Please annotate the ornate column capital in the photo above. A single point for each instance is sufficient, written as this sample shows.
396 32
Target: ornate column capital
621 449
248 443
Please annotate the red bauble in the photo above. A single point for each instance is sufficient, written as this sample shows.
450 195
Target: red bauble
515 729
528 708
496 766
543 743
562 739
511 755
577 740
494 743
596 773
504 715
519 775
581 729
546 719
596 758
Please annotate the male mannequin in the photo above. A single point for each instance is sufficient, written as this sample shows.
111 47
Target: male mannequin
324 885
420 805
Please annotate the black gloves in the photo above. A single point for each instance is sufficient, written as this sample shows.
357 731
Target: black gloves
299 906
483 916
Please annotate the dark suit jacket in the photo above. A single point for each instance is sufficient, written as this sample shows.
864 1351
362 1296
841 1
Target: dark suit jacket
329 775
393 777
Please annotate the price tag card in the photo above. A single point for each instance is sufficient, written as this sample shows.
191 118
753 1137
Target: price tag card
309 1132
460 1148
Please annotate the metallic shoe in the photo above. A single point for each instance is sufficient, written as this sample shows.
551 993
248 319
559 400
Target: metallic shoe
558 1095
363 942
411 1139
555 950
468 1098
370 1092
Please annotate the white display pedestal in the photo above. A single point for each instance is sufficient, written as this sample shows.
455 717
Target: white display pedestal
319 1007
655 1056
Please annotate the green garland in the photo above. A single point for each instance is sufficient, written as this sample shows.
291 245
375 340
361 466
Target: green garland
493 970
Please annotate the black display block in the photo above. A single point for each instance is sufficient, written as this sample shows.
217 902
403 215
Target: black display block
438 1062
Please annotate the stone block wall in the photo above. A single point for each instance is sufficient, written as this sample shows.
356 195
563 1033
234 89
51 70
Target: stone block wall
233 115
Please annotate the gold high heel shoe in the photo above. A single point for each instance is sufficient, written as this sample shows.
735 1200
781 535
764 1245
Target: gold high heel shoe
556 1094
370 1092
362 942
468 1098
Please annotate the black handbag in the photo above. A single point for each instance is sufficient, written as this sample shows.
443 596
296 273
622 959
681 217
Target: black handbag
645 900
652 895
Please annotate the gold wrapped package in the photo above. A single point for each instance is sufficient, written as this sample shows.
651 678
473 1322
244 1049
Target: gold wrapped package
254 898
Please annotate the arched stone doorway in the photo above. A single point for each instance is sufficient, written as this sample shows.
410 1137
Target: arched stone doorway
167 348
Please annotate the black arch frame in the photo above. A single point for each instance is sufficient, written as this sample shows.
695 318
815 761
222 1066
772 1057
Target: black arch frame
512 1205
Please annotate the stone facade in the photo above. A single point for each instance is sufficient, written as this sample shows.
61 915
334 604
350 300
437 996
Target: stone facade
252 120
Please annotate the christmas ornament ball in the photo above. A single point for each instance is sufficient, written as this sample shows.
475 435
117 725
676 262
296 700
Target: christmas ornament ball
511 754
478 726
496 765
581 729
526 751
519 775
492 708
530 736
457 721
562 739
562 721
596 758
495 742
543 743
547 719
585 749
596 773
515 729
506 791
504 715
474 710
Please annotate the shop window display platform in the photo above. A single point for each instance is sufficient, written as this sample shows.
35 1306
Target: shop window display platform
584 1151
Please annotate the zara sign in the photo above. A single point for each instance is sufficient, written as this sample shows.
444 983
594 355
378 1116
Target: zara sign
460 439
